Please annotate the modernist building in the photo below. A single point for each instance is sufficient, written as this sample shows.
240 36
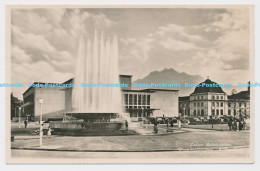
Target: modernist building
213 101
138 103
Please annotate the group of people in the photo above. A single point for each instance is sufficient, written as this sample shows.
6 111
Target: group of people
167 123
235 124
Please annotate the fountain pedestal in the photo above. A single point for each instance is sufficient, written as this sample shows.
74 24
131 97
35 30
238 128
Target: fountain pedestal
84 124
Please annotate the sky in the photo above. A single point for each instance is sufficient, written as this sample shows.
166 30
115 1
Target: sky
210 42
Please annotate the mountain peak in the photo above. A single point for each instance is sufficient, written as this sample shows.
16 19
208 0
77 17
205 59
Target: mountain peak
171 76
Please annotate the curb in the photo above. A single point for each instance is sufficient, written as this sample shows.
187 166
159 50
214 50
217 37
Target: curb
169 150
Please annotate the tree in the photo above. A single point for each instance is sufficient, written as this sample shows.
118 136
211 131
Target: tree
15 104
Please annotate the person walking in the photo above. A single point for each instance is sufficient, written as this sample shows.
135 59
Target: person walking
240 125
126 125
25 123
244 124
49 132
155 126
234 126
179 124
230 124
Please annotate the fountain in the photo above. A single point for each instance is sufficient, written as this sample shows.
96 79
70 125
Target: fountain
97 62
96 110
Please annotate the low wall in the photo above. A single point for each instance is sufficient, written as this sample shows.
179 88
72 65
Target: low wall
85 128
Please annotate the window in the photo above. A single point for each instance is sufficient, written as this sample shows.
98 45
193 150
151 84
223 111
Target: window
201 97
194 112
212 112
198 97
198 104
221 104
202 112
245 104
139 99
135 99
213 104
229 104
126 99
239 104
144 100
217 112
202 104
148 99
130 99
229 112
217 97
222 112
217 104
221 97
194 104
213 97
198 112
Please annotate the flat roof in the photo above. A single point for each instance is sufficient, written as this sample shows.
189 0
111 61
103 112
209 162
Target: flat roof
149 90
126 75
35 87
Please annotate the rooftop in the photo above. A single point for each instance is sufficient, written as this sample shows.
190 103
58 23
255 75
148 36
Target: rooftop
205 89
245 95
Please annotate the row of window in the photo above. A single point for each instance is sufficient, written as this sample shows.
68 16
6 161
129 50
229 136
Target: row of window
217 97
137 107
214 104
240 104
235 112
198 112
198 104
136 99
217 112
217 104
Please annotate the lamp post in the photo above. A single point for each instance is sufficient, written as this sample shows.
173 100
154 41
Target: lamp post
184 113
41 129
19 117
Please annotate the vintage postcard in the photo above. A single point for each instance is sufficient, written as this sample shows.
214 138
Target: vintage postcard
130 83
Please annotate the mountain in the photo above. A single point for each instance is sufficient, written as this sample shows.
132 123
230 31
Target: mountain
171 76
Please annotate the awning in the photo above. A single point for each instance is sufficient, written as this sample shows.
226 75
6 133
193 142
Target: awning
27 104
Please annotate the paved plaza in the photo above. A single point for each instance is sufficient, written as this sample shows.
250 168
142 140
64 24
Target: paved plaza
185 139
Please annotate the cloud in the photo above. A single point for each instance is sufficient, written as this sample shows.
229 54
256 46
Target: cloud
48 38
19 55
177 45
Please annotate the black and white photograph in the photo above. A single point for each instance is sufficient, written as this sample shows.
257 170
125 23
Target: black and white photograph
129 84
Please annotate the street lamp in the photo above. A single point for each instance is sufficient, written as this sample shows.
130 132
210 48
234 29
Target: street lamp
19 117
41 129
184 113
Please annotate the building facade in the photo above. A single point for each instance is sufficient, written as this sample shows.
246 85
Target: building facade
138 103
205 102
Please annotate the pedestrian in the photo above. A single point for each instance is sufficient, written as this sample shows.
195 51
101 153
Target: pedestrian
234 126
25 123
155 126
230 124
179 124
244 124
171 122
126 125
240 125
49 132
